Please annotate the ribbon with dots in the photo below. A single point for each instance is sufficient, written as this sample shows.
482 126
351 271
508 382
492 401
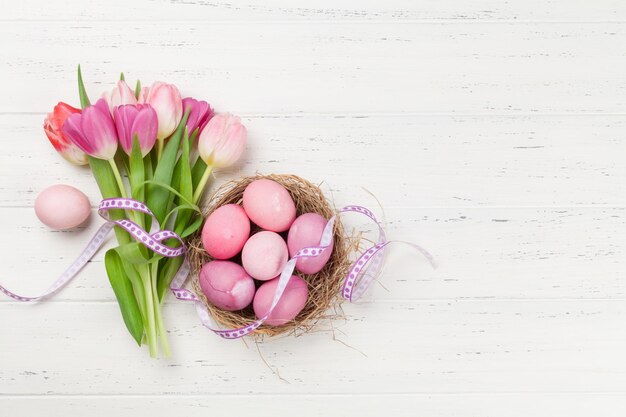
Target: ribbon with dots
362 272
152 240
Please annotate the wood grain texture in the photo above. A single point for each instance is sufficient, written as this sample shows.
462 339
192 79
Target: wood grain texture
369 405
501 68
421 161
506 253
491 132
431 11
441 347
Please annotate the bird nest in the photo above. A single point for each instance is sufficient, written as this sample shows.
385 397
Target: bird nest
324 286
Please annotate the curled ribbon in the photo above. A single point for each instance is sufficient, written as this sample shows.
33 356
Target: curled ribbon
152 241
360 275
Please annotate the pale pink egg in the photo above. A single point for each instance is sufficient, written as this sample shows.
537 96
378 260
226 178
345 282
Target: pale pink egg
226 285
225 231
269 205
307 231
62 207
290 304
264 255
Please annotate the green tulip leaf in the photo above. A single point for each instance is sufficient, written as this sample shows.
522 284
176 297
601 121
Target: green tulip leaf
186 182
134 254
198 170
195 225
103 174
82 93
137 89
159 198
167 270
123 289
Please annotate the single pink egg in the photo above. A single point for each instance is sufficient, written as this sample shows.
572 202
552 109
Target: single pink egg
264 255
62 207
290 304
269 205
226 285
307 231
225 231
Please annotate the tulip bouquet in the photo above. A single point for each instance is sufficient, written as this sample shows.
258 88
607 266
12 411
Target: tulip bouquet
150 145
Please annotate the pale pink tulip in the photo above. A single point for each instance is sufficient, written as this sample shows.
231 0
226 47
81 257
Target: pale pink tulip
120 95
166 101
222 141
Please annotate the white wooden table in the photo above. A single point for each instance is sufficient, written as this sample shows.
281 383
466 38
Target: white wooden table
493 133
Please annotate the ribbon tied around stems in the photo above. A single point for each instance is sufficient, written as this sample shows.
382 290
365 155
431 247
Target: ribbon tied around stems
361 273
150 240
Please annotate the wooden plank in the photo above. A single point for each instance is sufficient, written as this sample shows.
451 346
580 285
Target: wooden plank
323 10
370 405
291 68
425 161
418 347
482 254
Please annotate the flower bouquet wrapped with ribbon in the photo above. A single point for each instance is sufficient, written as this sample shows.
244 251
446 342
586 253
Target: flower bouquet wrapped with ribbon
151 153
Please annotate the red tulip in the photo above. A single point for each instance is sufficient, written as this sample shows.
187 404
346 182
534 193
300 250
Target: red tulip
53 125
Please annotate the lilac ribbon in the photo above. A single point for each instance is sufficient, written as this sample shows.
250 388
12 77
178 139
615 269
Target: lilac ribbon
150 240
362 272
360 275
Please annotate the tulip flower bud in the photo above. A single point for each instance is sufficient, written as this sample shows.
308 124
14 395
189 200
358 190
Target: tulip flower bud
165 100
93 131
120 95
199 115
53 124
222 141
140 120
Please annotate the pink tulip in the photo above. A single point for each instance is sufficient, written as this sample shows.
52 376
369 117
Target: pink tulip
166 101
53 124
120 95
222 141
93 131
140 120
200 114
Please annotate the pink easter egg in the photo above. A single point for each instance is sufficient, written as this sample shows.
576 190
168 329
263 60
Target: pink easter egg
225 231
269 205
290 304
62 207
226 285
264 255
306 231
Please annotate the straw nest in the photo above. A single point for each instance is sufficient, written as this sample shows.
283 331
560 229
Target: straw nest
324 287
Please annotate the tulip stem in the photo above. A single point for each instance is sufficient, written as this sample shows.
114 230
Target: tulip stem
150 327
160 326
160 143
200 189
118 178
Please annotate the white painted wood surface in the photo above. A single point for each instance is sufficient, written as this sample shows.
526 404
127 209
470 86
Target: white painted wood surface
492 133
